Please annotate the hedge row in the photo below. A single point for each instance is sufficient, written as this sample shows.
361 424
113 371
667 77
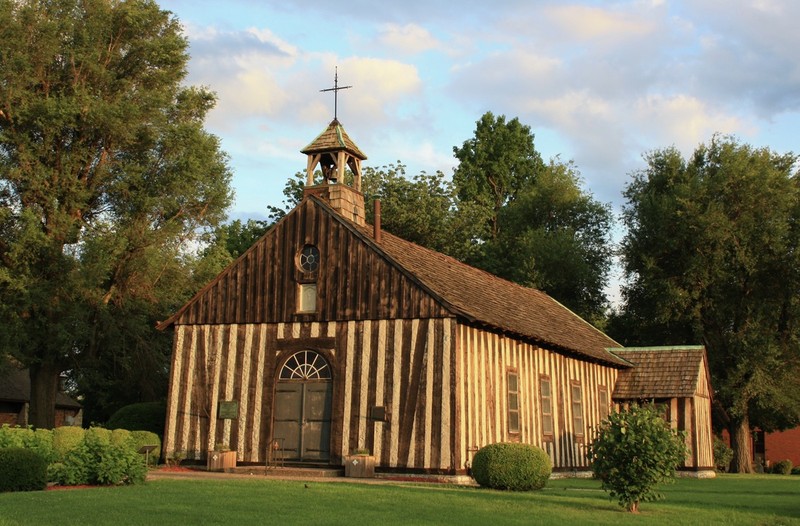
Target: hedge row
74 456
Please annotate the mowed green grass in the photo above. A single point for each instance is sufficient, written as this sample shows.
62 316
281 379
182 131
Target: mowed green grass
731 499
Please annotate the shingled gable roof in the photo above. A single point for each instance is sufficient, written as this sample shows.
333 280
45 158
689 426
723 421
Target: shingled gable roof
333 138
15 386
485 299
478 296
660 372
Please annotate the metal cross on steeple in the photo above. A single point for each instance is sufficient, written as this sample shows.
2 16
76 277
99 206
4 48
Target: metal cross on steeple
335 89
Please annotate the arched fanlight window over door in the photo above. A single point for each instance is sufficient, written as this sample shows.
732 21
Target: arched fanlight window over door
306 365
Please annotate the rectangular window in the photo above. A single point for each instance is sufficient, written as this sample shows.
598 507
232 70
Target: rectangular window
546 400
602 402
513 402
577 408
308 297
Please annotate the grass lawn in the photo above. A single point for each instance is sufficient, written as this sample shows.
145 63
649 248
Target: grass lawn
729 499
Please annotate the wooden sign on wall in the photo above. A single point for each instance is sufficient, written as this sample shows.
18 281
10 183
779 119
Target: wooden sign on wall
228 410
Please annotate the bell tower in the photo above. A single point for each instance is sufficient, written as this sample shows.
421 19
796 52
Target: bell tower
334 151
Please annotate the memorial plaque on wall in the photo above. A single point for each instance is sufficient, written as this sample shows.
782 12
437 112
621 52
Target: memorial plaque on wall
228 409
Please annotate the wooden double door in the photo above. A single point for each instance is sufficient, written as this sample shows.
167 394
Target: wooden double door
302 414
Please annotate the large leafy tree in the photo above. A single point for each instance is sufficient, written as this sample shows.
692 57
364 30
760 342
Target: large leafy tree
425 210
555 237
495 165
106 177
541 229
711 255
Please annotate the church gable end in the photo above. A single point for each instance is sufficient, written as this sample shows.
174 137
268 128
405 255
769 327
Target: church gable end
266 284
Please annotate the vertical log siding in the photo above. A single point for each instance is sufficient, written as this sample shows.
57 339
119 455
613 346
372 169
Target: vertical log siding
701 412
406 366
482 358
261 286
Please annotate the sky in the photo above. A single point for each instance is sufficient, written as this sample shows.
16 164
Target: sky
599 83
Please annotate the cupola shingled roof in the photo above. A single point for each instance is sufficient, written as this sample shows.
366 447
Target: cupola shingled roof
334 138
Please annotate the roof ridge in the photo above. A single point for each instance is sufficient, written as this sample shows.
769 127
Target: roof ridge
492 281
659 348
512 283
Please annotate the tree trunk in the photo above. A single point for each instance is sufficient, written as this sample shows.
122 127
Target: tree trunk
740 443
44 386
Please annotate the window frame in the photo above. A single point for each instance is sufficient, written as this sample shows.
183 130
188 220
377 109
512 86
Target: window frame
576 405
512 414
302 306
301 263
547 436
604 408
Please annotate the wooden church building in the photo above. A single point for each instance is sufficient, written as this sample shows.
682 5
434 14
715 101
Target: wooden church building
329 336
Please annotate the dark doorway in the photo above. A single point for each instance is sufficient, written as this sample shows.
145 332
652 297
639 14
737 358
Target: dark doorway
302 424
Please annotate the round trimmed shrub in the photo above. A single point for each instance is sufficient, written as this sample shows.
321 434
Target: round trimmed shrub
783 467
144 416
511 466
22 470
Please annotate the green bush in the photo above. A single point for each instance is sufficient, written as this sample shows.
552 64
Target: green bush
121 465
146 438
96 460
12 436
635 450
65 439
121 437
796 470
511 466
722 455
98 434
22 470
144 416
39 440
783 467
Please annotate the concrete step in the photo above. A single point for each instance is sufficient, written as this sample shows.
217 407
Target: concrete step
289 471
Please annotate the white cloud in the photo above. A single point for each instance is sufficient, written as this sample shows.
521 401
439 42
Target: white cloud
267 36
682 120
570 110
407 39
604 81
594 23
379 85
247 69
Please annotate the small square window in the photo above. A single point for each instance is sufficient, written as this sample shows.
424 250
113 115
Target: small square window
308 297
